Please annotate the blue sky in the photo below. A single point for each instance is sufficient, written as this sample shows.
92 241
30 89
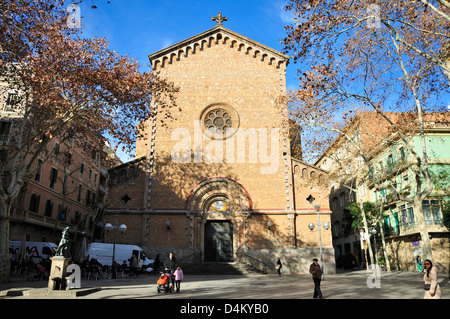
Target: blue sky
138 28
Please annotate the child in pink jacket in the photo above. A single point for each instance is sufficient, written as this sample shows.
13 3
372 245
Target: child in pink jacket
178 277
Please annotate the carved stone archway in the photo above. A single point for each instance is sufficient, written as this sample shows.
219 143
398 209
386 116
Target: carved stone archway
198 205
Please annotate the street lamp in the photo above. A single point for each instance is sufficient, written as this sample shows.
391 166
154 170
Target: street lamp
122 229
326 226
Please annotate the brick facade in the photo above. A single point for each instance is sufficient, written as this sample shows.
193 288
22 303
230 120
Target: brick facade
180 171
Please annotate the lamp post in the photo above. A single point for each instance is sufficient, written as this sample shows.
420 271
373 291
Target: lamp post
326 226
122 229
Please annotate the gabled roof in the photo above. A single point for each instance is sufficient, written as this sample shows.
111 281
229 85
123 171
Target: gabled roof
218 34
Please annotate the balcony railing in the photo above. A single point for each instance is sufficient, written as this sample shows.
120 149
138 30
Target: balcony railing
23 215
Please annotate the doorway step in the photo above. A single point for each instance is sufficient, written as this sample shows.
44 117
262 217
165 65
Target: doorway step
220 268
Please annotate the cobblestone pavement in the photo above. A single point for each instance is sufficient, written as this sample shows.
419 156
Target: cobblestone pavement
343 285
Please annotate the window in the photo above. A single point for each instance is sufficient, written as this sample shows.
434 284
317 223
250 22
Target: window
432 212
387 225
63 213
404 213
336 229
95 179
88 197
90 175
219 206
76 219
402 154
390 163
34 203
407 215
412 220
335 203
56 149
94 199
49 208
37 176
12 102
218 121
5 129
81 170
436 211
53 177
69 158
405 180
80 190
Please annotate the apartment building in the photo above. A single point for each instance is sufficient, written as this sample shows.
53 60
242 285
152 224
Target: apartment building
65 185
391 163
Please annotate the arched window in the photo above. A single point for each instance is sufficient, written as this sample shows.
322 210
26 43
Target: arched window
336 229
34 203
48 208
219 206
304 172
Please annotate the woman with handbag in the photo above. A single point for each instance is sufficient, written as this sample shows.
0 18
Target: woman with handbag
278 266
432 289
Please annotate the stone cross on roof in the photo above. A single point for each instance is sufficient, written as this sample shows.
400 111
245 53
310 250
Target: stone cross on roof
219 18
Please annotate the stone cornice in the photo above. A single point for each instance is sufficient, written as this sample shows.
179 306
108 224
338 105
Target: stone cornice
218 34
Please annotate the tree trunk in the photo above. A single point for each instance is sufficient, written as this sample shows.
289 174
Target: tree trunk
366 231
386 257
365 250
424 236
5 262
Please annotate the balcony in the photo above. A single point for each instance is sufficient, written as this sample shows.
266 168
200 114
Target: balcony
410 227
21 215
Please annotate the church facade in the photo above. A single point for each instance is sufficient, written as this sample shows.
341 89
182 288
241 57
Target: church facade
216 180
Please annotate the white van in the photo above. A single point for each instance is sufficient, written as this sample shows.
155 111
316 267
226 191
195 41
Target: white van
103 252
37 250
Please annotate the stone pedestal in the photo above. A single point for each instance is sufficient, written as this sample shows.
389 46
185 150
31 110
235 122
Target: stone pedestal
57 279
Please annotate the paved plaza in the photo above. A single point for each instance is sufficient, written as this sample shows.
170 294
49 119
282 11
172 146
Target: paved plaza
343 285
229 296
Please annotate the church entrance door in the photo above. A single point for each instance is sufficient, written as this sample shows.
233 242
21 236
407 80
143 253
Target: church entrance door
218 241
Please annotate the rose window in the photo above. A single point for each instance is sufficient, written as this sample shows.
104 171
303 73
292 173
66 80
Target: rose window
218 121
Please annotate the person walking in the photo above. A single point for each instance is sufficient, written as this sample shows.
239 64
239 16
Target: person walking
170 264
178 277
278 266
134 265
316 273
432 289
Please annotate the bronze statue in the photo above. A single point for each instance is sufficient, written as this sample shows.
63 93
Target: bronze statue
63 247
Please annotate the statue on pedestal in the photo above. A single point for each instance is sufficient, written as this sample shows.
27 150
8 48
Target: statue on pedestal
57 279
63 247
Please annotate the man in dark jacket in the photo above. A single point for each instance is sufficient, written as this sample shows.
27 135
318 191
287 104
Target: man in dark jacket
316 273
171 265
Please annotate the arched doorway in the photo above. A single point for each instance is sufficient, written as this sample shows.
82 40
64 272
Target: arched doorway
218 208
218 241
218 238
